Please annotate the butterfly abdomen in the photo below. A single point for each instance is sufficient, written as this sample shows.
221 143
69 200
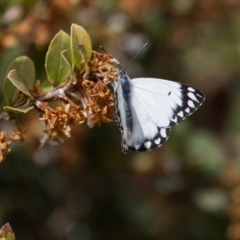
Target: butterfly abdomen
126 86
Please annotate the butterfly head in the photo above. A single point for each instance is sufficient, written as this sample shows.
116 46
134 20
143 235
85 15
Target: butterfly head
121 73
124 79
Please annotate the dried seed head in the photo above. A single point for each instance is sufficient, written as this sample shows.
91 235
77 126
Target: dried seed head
4 145
90 99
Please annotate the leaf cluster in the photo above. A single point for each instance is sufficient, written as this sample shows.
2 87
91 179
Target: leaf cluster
77 78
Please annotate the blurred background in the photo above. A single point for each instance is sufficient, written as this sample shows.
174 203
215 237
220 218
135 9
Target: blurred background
86 188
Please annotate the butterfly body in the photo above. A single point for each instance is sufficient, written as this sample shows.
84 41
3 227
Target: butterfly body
147 108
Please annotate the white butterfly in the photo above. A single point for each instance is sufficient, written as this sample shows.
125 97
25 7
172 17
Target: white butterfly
147 108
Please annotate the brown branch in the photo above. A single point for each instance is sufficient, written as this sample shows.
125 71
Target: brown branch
53 94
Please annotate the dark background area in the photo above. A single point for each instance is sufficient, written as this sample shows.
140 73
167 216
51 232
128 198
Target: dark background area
86 188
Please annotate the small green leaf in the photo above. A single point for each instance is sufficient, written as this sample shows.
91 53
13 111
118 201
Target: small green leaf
3 103
46 86
56 67
66 56
19 82
17 110
25 66
79 36
82 51
10 92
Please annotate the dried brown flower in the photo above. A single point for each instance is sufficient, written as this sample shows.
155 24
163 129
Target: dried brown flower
57 123
90 99
4 145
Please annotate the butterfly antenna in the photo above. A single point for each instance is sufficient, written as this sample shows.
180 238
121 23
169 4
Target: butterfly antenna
111 57
135 56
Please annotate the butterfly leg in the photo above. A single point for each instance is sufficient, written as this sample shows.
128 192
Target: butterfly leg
124 147
124 143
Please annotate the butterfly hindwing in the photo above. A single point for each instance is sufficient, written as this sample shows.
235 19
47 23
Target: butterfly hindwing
148 144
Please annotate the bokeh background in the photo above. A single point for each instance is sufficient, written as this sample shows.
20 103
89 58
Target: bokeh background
86 188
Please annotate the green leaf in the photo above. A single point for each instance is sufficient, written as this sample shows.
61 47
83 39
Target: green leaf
83 53
10 92
56 67
46 86
19 82
2 105
17 110
67 57
25 67
79 37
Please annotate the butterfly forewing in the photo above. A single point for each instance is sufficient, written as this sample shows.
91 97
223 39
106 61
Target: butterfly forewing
167 102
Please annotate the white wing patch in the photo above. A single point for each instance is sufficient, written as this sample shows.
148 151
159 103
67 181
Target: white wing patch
163 132
191 104
147 108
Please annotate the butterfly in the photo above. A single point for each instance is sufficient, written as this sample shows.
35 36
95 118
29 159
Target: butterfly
147 108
